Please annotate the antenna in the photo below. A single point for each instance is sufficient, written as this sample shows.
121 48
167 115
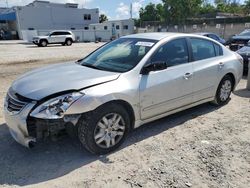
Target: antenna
7 4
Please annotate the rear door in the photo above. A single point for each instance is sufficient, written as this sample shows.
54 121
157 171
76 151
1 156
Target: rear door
206 65
169 89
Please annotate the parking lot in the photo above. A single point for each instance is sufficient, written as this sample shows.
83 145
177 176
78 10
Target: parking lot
201 147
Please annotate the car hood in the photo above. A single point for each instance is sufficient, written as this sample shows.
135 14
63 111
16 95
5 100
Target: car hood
238 37
58 78
244 50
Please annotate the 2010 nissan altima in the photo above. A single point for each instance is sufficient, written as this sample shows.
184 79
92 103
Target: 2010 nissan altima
128 82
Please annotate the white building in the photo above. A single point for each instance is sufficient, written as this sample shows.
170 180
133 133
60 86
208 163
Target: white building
41 17
117 28
45 15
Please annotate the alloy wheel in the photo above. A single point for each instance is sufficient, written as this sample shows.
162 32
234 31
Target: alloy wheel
109 130
225 90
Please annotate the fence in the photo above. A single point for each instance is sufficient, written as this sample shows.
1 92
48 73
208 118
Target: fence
81 35
225 30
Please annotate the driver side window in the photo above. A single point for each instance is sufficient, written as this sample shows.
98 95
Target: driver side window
173 53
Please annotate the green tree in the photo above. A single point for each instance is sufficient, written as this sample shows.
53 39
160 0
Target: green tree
177 11
103 18
150 13
207 9
247 7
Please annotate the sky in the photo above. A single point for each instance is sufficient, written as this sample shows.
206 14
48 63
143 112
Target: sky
114 9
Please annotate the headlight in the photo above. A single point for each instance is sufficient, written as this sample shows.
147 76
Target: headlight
56 107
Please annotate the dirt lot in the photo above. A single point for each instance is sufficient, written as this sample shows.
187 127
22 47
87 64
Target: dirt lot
201 147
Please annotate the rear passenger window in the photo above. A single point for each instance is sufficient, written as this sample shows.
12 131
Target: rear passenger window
218 50
202 49
173 53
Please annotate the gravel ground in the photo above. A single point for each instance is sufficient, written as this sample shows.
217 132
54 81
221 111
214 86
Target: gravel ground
201 147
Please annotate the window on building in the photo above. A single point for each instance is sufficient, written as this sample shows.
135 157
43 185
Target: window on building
72 28
86 28
31 29
105 27
117 27
87 16
125 27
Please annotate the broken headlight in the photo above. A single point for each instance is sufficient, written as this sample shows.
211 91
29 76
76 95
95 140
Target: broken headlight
56 107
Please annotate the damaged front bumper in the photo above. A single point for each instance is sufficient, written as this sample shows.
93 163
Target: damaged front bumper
17 123
27 130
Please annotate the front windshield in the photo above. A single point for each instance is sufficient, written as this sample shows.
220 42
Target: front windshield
120 55
245 33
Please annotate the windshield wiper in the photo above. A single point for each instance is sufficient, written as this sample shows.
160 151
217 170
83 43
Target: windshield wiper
91 66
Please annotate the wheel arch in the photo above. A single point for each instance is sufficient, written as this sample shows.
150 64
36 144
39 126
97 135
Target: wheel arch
44 40
233 78
68 38
127 107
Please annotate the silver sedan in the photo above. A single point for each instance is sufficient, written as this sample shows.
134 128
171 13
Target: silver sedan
120 86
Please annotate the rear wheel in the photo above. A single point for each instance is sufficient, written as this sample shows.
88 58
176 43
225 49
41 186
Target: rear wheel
68 42
105 129
224 91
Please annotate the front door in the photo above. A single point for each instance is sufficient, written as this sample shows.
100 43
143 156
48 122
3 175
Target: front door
167 90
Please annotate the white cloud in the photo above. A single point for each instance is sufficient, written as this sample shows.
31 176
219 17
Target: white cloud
137 5
123 10
104 12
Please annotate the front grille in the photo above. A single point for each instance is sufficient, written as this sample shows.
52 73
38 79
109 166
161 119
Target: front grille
14 104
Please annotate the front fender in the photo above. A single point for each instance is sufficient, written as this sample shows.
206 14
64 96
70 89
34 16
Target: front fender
112 91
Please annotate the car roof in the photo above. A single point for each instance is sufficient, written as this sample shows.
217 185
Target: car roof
61 31
158 35
203 33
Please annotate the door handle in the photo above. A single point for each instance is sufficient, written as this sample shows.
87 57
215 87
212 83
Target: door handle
187 75
221 64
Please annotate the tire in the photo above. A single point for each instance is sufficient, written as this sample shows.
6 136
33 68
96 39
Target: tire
99 137
43 43
68 42
224 91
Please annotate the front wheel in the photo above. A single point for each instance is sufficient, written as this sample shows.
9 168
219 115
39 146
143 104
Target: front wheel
224 91
105 129
43 43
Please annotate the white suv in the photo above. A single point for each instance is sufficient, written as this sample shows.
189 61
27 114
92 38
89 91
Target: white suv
55 37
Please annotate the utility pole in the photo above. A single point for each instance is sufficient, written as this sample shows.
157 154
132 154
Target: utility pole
7 4
131 10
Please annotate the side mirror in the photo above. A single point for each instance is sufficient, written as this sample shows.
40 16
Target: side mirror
154 66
